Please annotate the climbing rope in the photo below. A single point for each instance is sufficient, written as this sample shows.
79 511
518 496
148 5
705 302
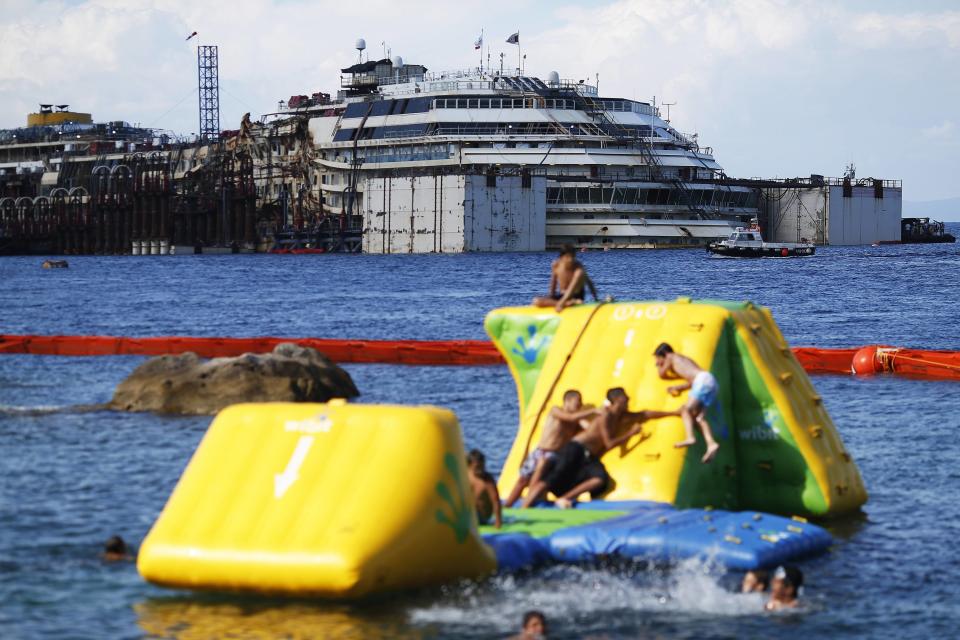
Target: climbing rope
556 380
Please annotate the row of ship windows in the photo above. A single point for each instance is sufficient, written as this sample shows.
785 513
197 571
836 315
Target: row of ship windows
422 105
638 196
487 128
504 103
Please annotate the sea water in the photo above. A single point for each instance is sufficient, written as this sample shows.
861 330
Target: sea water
71 476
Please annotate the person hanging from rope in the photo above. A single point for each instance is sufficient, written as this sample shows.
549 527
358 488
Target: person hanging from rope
568 282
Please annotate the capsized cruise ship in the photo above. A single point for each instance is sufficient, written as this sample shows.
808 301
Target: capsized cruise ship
485 160
406 161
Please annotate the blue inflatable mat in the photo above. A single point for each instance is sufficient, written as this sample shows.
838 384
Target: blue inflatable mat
660 533
517 551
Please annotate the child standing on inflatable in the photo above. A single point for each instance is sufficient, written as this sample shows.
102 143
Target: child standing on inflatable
703 393
485 494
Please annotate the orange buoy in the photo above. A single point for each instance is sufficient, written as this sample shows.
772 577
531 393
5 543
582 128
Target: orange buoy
866 362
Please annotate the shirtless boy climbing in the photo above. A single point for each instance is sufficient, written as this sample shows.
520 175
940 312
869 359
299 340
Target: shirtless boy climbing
703 393
577 469
561 425
568 282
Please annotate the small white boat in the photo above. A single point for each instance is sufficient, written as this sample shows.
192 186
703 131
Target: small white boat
748 243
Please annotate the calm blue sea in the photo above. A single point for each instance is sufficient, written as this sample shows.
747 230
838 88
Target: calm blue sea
71 478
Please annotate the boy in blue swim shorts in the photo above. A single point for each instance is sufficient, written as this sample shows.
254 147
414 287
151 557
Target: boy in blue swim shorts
703 393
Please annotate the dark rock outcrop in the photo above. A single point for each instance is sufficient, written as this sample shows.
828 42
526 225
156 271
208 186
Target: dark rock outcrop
187 384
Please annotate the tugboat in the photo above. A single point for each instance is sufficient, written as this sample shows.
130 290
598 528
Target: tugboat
748 243
923 230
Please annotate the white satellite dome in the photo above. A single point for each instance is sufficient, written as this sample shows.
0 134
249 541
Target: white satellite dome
553 79
397 62
361 44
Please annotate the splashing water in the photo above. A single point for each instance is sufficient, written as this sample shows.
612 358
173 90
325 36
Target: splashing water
575 596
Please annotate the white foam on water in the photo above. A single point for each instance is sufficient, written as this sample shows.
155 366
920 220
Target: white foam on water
572 592
35 410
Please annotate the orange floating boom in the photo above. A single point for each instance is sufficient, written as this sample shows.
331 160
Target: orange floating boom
941 365
415 352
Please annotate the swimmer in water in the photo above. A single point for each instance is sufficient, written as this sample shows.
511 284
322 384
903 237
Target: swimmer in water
755 581
534 627
703 393
485 493
116 550
561 425
785 588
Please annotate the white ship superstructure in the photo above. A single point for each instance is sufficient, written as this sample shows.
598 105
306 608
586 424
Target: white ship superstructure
407 161
522 157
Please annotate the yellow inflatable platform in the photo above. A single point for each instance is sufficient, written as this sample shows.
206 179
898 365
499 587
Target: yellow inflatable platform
330 500
779 450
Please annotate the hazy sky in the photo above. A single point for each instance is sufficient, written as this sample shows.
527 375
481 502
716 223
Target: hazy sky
777 88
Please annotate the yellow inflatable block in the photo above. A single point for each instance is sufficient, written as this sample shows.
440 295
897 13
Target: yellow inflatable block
779 450
330 500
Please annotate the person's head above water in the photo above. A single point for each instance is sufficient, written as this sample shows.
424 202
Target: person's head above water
568 250
115 544
115 549
755 581
572 400
785 584
476 460
534 625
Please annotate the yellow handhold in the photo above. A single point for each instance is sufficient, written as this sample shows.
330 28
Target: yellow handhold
794 528
816 431
798 518
786 377
330 500
732 539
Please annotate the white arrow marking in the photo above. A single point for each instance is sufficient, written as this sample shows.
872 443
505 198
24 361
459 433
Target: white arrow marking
283 481
628 339
617 368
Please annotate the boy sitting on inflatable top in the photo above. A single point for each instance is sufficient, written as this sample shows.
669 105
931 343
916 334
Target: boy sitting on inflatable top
703 393
568 282
577 469
561 425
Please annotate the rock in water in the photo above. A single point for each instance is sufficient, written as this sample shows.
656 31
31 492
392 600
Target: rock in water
187 384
